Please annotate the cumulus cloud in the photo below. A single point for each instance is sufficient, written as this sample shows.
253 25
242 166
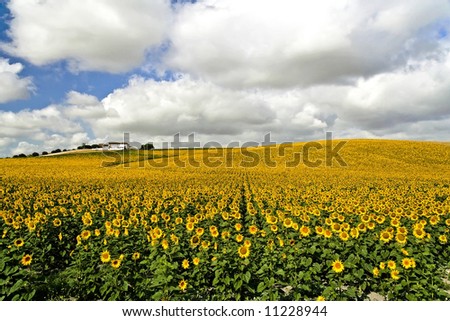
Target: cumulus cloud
12 87
104 35
242 69
290 43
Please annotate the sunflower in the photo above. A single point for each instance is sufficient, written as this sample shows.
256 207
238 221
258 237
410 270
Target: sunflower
19 242
178 220
344 236
26 259
205 244
434 220
391 265
402 230
376 272
406 263
320 298
135 256
60 236
195 240
195 261
57 222
443 239
244 251
305 231
365 218
354 232
271 219
287 222
413 262
361 227
401 238
273 228
116 263
336 227
382 265
405 252
182 285
190 226
185 264
165 244
97 232
319 230
371 225
239 238
419 233
199 231
385 236
105 257
327 233
337 266
225 235
253 229
85 235
395 274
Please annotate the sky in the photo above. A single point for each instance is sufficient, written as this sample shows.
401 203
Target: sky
83 71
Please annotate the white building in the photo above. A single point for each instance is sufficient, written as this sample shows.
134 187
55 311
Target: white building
116 146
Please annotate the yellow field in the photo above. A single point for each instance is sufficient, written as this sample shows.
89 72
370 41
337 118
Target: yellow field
143 227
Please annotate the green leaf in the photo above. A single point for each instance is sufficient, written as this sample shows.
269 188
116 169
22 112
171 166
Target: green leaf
411 297
15 287
237 285
247 276
280 272
261 287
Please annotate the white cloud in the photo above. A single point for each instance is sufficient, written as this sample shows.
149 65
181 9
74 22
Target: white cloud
290 43
12 87
105 35
292 68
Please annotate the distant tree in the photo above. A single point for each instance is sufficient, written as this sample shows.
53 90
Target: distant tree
64 150
22 155
148 146
56 151
87 146
35 154
44 153
15 156
80 147
95 146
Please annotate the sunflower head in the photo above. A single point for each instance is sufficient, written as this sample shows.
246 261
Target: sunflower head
185 264
26 259
376 272
337 266
19 242
391 265
116 263
182 285
243 251
105 256
395 274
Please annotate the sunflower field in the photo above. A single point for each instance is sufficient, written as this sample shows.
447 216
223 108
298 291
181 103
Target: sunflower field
101 227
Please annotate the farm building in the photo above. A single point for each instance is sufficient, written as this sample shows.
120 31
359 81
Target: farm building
116 146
